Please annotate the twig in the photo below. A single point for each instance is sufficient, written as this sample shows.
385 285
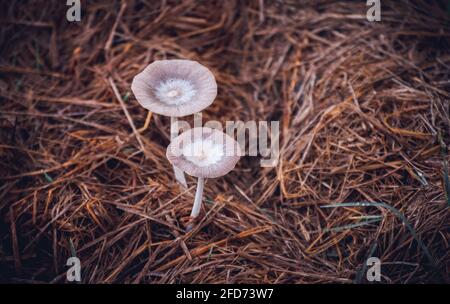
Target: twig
124 108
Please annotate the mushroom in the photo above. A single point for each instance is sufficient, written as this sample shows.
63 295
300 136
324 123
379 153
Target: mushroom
175 88
203 153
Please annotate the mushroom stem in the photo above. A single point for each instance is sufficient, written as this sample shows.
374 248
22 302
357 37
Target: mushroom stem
179 174
198 197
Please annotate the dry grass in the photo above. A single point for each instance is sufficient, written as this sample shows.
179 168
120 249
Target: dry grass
364 110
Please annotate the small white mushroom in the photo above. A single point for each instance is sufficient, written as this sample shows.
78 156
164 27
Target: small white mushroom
175 88
203 153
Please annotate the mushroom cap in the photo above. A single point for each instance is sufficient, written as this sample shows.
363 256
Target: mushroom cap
175 87
204 152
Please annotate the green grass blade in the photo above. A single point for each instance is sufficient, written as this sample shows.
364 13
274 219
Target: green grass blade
396 213
350 226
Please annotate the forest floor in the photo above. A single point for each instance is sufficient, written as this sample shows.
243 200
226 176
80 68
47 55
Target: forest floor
364 120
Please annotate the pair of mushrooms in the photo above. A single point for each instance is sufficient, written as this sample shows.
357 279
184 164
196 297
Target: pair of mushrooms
179 88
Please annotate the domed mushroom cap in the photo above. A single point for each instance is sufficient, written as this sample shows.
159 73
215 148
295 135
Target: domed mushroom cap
175 87
204 152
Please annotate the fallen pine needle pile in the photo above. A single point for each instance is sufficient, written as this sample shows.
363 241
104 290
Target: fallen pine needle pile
364 131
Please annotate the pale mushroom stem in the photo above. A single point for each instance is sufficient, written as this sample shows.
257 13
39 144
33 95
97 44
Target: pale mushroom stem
179 174
198 198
